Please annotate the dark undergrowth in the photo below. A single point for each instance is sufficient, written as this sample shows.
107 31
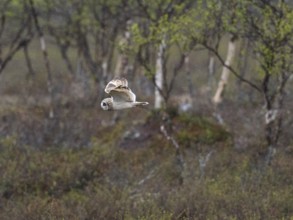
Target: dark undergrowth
132 172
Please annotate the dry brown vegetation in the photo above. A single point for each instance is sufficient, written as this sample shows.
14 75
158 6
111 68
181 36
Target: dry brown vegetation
75 168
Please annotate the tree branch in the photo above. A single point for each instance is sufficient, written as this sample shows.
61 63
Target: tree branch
21 44
234 72
175 73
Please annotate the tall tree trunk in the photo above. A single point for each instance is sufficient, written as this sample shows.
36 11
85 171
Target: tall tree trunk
31 72
242 64
189 78
273 117
211 70
159 76
46 58
103 81
64 50
63 46
81 78
122 63
217 99
123 67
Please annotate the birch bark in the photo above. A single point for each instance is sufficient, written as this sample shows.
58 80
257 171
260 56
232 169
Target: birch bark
211 70
123 67
46 59
218 97
159 75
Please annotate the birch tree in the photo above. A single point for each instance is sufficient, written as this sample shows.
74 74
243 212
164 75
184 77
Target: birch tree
159 75
92 28
15 31
271 31
162 32
45 56
242 65
268 26
203 26
231 51
123 66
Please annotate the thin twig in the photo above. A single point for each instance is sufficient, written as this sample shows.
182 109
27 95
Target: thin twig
179 156
168 137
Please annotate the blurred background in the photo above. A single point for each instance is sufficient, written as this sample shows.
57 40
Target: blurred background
215 142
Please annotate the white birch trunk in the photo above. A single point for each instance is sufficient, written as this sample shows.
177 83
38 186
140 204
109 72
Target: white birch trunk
226 72
49 75
211 70
191 91
211 66
122 65
104 78
159 76
119 61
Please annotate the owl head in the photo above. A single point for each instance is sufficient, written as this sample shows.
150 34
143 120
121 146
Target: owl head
107 104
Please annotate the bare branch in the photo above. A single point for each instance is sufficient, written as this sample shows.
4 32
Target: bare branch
170 138
179 156
176 70
142 62
231 68
12 52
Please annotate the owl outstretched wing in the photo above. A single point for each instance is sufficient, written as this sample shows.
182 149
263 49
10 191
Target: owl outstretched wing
118 89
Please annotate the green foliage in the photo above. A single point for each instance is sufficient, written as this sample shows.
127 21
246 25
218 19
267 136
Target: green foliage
272 29
163 25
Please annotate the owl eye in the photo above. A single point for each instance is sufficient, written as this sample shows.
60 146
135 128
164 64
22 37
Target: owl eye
104 104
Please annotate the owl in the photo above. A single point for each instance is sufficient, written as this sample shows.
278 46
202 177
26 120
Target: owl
121 96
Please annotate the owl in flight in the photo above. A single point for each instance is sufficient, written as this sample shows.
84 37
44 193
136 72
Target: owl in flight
121 96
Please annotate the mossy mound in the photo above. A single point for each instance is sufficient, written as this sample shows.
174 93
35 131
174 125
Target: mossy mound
194 129
190 131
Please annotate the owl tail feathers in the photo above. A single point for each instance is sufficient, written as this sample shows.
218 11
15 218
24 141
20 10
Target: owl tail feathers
141 103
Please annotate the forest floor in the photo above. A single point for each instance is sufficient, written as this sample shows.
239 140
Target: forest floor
140 164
